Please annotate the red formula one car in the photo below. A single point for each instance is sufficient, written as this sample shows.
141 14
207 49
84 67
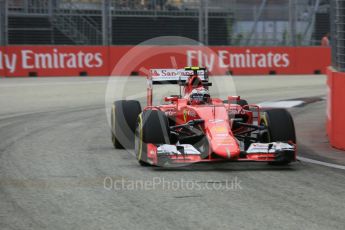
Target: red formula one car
194 127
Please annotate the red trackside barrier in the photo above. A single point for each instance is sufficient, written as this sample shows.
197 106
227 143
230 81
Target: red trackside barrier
336 108
16 61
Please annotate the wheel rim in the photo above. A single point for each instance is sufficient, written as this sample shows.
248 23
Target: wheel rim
138 143
112 122
113 119
263 122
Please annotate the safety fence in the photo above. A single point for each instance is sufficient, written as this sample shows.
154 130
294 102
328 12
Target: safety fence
338 34
129 22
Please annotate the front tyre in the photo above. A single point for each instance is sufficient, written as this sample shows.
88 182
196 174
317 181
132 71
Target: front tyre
152 128
280 128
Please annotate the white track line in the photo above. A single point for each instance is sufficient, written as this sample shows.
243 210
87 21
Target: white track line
280 104
10 85
321 163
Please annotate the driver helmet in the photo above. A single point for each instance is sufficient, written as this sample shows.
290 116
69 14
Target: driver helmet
199 97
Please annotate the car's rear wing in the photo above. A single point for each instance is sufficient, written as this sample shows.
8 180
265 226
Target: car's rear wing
174 76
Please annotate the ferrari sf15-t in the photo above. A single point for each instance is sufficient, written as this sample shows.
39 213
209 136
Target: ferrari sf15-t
194 127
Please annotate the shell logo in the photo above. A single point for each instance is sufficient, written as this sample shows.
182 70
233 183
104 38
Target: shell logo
219 129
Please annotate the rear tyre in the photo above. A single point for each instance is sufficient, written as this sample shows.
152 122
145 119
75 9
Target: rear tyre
280 127
152 127
124 116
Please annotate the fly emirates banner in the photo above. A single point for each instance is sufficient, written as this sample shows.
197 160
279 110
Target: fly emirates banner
125 60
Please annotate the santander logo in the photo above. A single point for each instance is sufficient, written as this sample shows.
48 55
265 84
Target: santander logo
246 59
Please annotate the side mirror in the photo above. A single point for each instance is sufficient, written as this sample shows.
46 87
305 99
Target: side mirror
233 99
196 122
207 83
172 99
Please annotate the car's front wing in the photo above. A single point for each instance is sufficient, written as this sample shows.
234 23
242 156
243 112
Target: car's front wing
259 152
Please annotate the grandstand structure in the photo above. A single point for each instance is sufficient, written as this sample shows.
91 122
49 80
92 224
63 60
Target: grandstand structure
130 22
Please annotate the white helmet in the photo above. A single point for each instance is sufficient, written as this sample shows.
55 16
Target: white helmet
199 97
